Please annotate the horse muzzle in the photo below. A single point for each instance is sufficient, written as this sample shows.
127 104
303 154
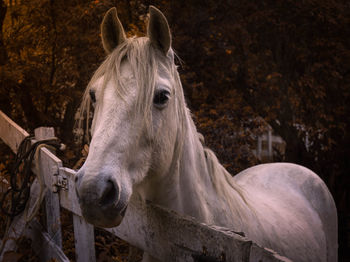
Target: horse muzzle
101 200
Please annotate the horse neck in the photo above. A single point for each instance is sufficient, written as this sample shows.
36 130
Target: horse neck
205 189
193 176
193 187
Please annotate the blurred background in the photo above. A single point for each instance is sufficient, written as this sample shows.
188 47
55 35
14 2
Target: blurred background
265 80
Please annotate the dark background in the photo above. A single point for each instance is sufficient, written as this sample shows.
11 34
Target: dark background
244 64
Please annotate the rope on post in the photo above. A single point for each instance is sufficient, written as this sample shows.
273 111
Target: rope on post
20 184
15 199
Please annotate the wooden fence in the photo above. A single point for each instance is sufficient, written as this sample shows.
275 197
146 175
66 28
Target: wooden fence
161 232
269 145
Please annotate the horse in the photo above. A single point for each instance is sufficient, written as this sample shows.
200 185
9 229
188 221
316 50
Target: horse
145 146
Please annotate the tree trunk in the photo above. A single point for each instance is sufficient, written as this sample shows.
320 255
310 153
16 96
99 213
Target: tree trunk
296 151
33 116
3 53
68 120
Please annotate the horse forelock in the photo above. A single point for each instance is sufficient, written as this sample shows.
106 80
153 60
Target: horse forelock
145 61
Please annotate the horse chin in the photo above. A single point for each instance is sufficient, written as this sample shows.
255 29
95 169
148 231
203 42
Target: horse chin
104 223
107 219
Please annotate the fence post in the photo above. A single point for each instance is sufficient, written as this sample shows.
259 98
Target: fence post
83 232
269 144
52 205
259 148
84 240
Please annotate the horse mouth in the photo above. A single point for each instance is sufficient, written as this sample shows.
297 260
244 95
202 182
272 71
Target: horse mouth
104 209
104 218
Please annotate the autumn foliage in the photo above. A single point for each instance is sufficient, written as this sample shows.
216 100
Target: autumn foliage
244 65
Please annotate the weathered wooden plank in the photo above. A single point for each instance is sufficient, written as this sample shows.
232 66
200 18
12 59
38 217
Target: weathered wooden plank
43 245
84 240
258 253
11 133
171 237
49 166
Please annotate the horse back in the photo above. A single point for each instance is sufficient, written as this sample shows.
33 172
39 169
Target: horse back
295 210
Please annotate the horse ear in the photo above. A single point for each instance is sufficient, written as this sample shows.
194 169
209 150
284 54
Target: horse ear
112 31
158 30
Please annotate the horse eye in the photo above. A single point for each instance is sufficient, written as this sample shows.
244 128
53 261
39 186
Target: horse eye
161 97
92 96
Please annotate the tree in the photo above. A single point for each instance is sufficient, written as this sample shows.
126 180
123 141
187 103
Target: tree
3 53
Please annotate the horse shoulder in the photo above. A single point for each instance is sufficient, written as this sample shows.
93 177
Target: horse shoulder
286 177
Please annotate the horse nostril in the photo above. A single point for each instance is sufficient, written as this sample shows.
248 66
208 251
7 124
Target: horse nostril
110 194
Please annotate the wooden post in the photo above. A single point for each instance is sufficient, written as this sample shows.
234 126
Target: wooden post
52 205
83 232
84 240
258 149
269 144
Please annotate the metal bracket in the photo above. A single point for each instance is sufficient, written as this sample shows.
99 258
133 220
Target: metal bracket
60 181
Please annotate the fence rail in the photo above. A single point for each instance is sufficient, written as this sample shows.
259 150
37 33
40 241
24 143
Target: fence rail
160 232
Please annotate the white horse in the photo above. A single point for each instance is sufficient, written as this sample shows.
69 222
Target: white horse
145 146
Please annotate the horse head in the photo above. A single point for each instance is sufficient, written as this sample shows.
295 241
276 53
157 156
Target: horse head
137 94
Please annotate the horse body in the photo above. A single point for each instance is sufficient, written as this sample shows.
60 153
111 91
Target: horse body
145 146
294 209
282 206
